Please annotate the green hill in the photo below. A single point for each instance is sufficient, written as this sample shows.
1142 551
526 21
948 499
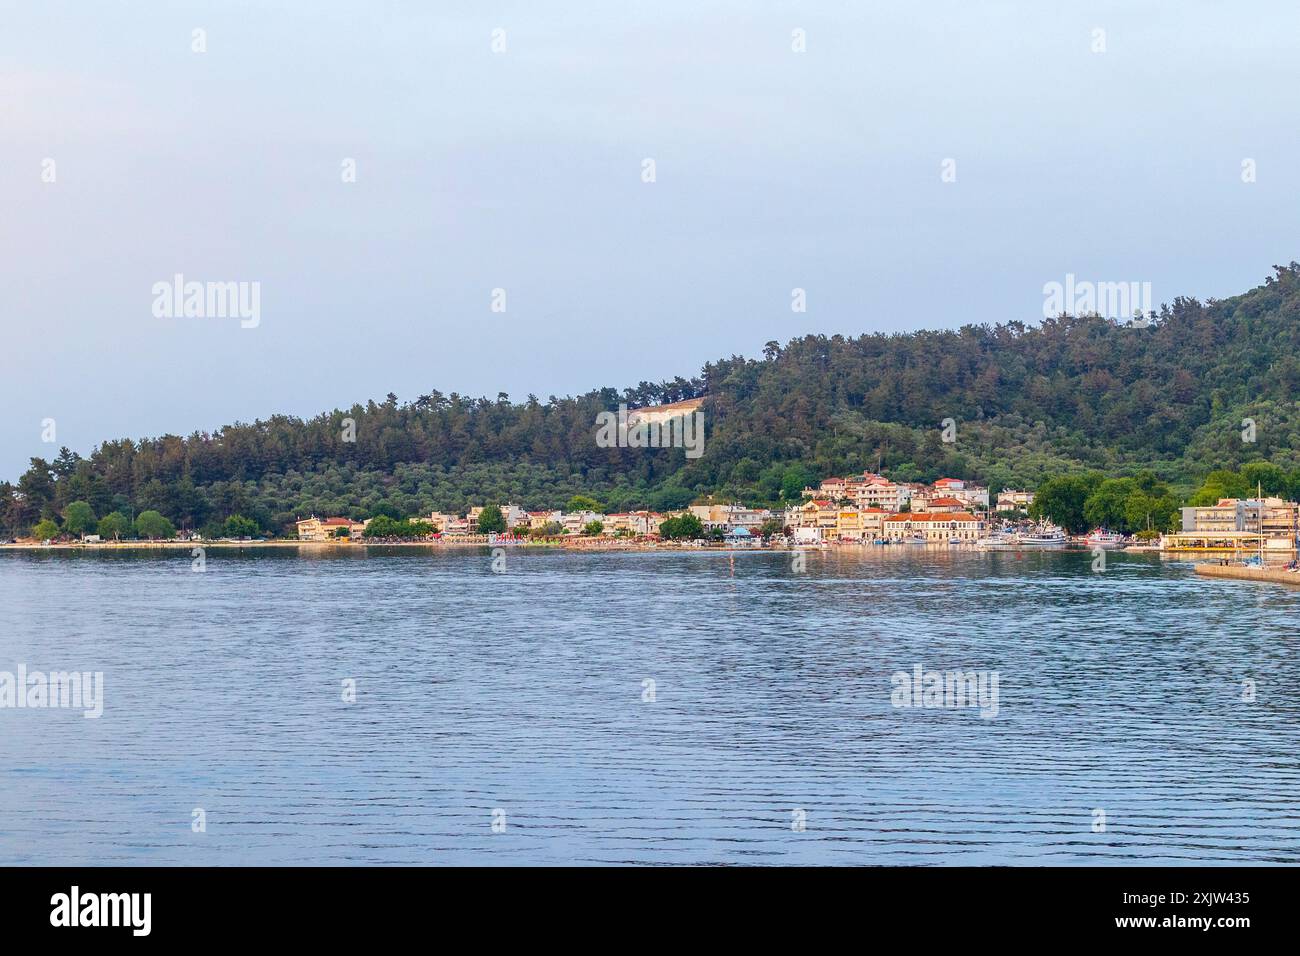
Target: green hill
1027 402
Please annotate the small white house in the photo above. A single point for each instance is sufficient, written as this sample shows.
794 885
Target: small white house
807 535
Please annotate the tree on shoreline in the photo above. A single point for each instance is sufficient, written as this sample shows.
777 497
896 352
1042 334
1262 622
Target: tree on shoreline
114 525
685 527
491 520
153 525
78 518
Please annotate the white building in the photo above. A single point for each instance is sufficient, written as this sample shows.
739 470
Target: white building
1012 500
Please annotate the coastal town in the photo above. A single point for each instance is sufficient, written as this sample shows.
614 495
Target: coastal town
860 509
868 509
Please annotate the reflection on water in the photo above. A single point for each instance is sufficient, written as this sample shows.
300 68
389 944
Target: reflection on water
529 692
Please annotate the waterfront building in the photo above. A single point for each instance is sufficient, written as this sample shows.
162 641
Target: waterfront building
450 523
515 516
575 521
731 516
1237 524
325 529
540 519
614 523
848 523
645 522
743 538
933 528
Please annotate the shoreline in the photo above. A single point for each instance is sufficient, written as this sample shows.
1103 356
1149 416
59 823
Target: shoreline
584 544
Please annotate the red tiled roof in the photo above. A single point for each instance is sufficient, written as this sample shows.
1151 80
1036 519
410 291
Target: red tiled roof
953 516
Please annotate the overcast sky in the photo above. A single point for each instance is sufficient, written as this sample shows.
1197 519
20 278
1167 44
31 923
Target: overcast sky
523 170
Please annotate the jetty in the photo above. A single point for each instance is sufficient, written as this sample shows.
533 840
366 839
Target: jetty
1271 575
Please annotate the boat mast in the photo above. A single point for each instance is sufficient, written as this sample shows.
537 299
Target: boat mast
1259 503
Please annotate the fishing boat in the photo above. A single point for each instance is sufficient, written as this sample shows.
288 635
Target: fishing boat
996 539
1043 536
1101 538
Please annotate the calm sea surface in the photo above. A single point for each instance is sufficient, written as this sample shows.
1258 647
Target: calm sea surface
521 697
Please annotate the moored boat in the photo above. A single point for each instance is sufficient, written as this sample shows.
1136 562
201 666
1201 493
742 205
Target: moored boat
1101 538
1043 536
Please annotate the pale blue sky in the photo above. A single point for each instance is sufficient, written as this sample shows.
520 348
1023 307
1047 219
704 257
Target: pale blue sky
522 170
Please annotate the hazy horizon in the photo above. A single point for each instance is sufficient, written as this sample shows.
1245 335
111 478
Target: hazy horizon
522 169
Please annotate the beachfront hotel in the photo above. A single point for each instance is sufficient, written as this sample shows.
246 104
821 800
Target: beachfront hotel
1237 524
325 529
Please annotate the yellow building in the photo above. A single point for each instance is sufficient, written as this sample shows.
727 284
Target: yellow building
326 529
848 524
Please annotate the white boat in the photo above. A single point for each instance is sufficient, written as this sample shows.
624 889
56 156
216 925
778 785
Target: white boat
1101 538
996 539
1044 536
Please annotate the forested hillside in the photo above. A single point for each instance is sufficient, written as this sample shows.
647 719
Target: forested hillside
1029 401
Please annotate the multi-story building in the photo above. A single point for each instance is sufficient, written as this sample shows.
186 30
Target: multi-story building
645 522
880 492
325 529
1237 524
974 496
616 522
1012 500
848 523
513 515
540 519
924 504
575 521
729 517
448 523
833 488
873 522
933 527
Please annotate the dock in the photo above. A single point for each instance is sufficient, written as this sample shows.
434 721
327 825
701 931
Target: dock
1271 575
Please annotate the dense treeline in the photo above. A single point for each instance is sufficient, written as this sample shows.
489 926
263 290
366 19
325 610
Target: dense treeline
1167 394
